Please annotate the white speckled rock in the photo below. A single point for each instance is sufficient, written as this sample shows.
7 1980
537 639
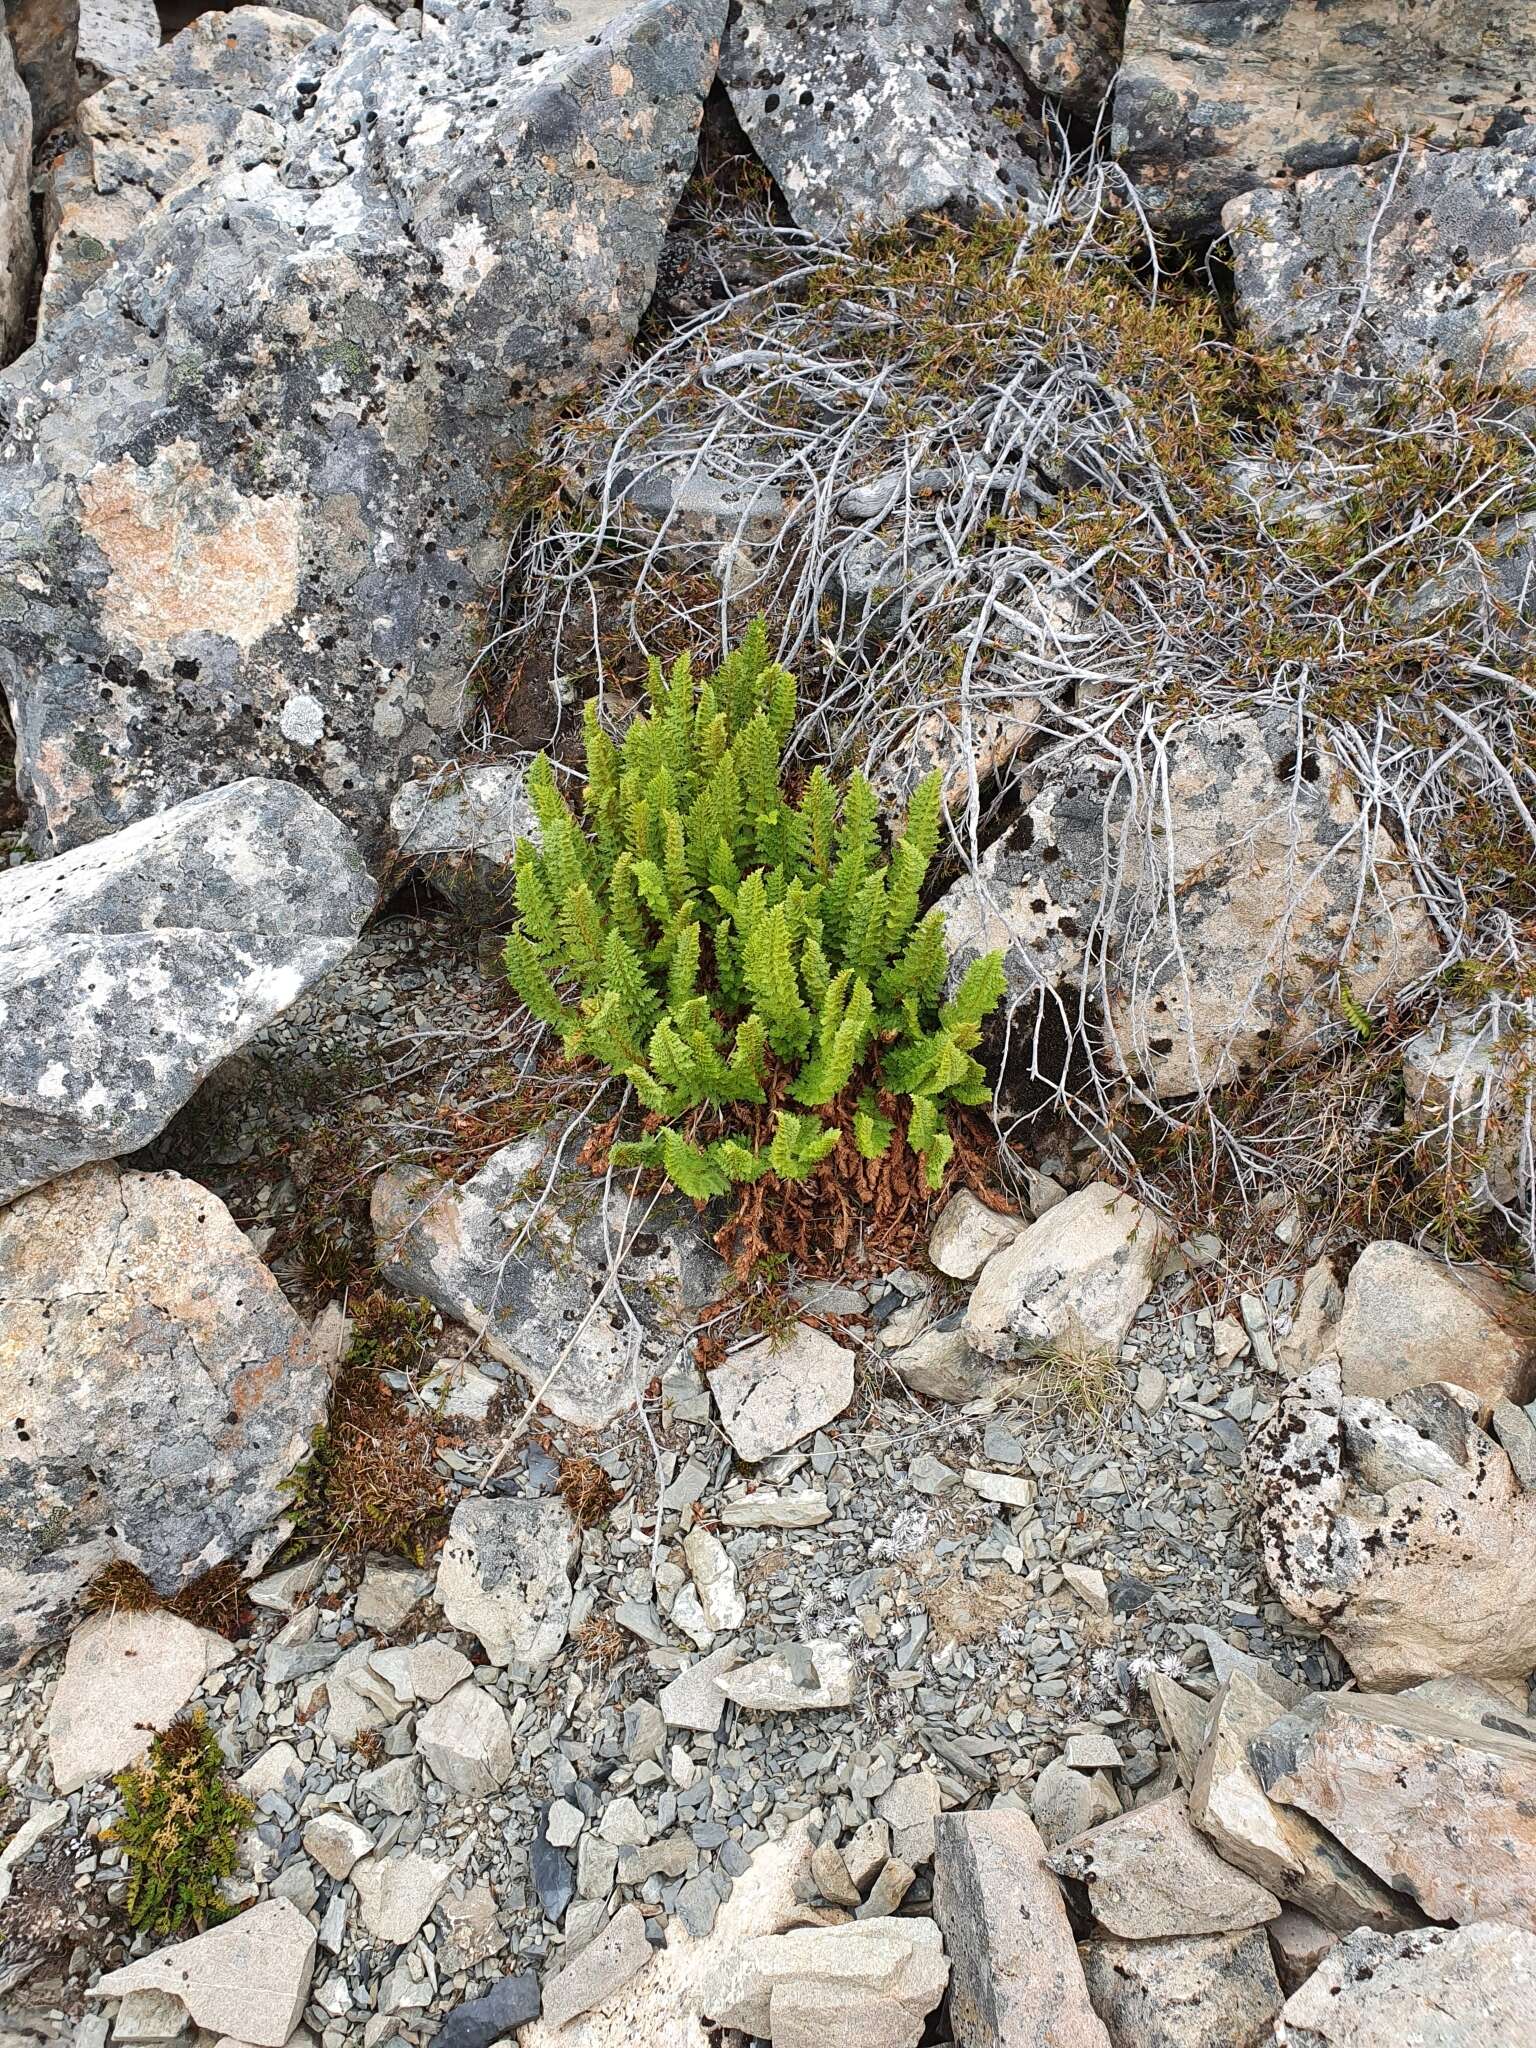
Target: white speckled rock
505 1576
125 1677
1207 1991
1409 1318
781 1389
248 1978
157 1390
1455 1987
459 828
1077 1276
130 968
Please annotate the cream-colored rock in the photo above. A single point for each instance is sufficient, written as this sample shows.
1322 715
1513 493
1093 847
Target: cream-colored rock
1428 1580
782 1389
792 1679
1298 1944
125 1677
1409 1318
1277 1846
248 1978
1442 1987
967 1234
900 1961
505 1576
715 1579
1016 1979
1443 1809
1314 1320
1150 1877
1210 1991
466 1740
603 1968
1075 1277
396 1894
337 1843
1466 1093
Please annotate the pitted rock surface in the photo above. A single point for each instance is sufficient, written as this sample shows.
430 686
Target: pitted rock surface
1215 97
1068 48
520 1254
156 1388
1265 855
131 968
1398 268
165 127
867 115
243 483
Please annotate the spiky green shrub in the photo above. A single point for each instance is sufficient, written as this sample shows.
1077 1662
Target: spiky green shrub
720 946
180 1830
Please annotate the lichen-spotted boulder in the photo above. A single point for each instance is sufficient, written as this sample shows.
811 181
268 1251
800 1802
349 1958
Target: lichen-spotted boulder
155 1391
247 483
130 968
18 249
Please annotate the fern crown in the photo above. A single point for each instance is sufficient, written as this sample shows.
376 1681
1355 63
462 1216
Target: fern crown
709 940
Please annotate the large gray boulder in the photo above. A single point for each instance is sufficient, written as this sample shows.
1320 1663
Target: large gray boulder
1204 902
157 1390
1068 48
246 482
18 247
1411 267
869 114
166 126
528 1255
1457 1987
131 968
1215 97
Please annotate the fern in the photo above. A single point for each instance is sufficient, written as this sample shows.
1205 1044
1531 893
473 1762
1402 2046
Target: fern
696 925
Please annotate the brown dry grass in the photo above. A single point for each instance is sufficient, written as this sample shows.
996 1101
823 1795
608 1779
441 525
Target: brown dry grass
587 1491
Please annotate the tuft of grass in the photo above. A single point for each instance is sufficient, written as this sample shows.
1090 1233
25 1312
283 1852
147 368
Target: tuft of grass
180 1830
214 1600
370 1482
587 1491
1075 1376
601 1644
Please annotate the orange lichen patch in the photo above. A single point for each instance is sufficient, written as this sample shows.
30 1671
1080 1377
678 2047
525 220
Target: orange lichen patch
187 553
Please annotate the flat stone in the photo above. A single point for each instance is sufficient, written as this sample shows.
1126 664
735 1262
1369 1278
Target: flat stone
768 1508
604 1966
831 1875
480 2022
466 1741
696 1699
387 1593
130 968
1075 1277
1007 1489
774 1393
337 1842
126 1676
1212 1991
397 1893
1442 1809
504 1576
458 828
900 1961
1409 1318
1276 1845
419 1673
1065 1803
966 1235
249 1978
564 1823
910 1808
1183 1717
1087 1582
866 1852
714 1575
149 2016
1458 1987
1516 1434
1016 1981
1150 1876
791 1680
520 1255
158 1389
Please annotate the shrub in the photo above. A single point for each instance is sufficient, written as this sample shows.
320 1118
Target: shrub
722 947
179 1831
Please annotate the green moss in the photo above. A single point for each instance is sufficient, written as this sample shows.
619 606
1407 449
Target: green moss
179 1831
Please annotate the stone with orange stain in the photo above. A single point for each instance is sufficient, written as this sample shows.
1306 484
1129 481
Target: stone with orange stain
156 1386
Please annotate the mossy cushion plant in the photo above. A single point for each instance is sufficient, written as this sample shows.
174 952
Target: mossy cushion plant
180 1830
755 967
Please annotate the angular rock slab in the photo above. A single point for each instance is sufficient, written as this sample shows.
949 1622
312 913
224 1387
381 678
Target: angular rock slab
1429 1579
1262 859
896 1966
1068 48
866 116
1215 1991
1440 1808
1409 1318
1398 269
1151 1877
165 126
131 968
18 246
1077 1276
1015 1978
603 1967
248 1979
520 1254
1457 1987
156 1386
779 1390
459 828
1215 97
245 482
126 1677
505 1576
794 1679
